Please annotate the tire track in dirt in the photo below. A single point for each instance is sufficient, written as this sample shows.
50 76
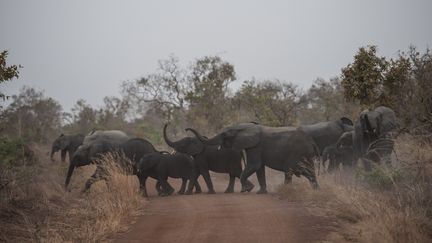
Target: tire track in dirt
225 218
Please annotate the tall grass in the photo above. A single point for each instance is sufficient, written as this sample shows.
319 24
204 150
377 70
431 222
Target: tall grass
393 203
40 210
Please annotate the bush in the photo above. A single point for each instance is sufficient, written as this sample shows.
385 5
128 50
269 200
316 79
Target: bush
40 210
13 152
381 177
388 204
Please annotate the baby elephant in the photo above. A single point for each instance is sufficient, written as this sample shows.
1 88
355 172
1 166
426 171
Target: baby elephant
160 166
337 155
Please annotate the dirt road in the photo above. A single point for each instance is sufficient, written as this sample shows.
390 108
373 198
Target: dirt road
225 218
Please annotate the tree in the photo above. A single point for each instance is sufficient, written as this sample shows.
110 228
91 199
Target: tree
404 84
166 89
7 73
84 117
362 80
422 99
113 114
325 102
176 94
31 117
208 95
272 103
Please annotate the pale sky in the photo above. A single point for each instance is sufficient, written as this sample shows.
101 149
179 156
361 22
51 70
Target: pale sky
85 49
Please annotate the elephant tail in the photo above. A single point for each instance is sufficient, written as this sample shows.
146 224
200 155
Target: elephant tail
244 158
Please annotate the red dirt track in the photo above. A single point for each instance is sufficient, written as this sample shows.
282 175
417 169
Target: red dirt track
224 217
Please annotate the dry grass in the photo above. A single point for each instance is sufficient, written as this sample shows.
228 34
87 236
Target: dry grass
390 204
38 209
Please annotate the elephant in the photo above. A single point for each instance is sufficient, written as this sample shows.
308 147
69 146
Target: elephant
210 157
337 155
346 140
161 166
66 144
327 133
372 125
340 152
281 148
134 149
95 144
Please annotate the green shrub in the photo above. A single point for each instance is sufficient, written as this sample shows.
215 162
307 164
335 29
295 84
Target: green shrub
10 152
380 177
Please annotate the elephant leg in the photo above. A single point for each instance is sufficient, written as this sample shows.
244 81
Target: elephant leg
165 186
142 181
197 185
183 186
230 188
309 173
97 176
288 177
206 175
332 165
249 184
159 188
192 182
63 155
261 180
89 183
168 190
197 188
254 163
70 154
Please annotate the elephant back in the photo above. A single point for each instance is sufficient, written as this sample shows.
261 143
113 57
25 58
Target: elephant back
327 133
114 137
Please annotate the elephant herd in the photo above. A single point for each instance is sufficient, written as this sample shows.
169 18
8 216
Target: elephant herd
291 150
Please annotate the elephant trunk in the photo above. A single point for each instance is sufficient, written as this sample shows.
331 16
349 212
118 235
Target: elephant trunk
216 140
69 174
167 140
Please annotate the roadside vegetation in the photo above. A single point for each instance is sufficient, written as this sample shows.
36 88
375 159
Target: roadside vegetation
392 203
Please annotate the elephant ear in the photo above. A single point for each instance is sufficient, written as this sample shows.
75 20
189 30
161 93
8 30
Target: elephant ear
387 119
246 137
346 121
97 149
64 142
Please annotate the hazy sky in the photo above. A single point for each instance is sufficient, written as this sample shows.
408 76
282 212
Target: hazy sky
85 49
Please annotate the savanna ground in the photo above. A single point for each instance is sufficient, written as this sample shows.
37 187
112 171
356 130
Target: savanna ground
390 204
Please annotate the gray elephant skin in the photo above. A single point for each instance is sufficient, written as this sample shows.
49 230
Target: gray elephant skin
372 125
327 133
66 144
281 148
337 155
94 145
210 158
162 165
134 149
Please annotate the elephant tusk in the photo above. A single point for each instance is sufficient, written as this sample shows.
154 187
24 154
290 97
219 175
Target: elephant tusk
219 147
